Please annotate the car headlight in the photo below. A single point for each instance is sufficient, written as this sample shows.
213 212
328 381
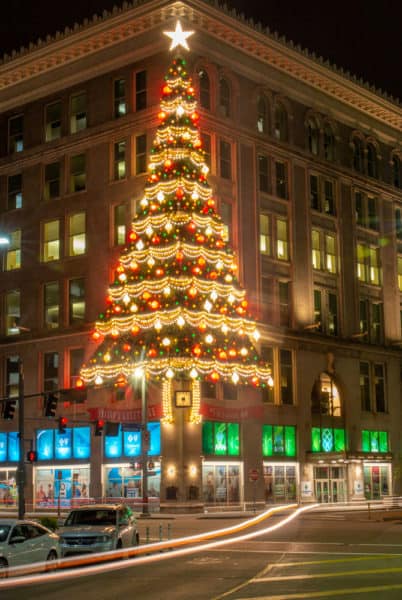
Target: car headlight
103 539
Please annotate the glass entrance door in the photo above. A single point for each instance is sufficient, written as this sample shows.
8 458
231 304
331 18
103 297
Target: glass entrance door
329 484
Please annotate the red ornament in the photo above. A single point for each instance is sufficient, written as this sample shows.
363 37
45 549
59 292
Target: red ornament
154 304
192 292
132 236
196 350
214 376
117 308
166 89
179 256
152 353
179 193
222 355
96 336
126 347
135 330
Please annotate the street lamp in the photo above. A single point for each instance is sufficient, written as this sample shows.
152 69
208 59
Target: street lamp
140 372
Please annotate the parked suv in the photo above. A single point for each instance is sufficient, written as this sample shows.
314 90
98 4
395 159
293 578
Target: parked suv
98 528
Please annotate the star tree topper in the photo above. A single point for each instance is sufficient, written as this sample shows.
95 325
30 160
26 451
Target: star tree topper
178 37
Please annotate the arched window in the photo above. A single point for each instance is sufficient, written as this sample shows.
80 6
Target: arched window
224 97
396 171
281 123
325 397
329 143
313 136
358 155
205 90
262 115
371 160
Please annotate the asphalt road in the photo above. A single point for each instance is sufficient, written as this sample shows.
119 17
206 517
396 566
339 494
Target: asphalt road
333 555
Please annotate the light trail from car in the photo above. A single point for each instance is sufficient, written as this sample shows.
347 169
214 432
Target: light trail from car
133 555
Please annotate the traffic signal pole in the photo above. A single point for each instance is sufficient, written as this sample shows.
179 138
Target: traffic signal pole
21 444
144 446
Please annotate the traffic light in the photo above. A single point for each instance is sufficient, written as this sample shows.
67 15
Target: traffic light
63 424
99 425
50 405
9 408
32 456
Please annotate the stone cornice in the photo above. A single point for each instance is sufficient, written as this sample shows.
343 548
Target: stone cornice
128 23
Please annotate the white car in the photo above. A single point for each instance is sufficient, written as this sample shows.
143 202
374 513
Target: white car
23 542
98 528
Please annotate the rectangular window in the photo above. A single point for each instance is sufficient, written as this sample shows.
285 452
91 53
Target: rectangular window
51 305
278 440
13 312
50 371
119 160
14 191
267 354
78 173
375 441
329 202
367 211
330 253
76 360
263 173
140 154
52 181
368 265
206 146
227 218
265 235
120 101
286 376
379 388
372 213
77 234
365 396
398 223
376 329
225 159
316 249
326 311
332 328
359 209
221 439
284 303
53 121
51 241
119 219
318 319
314 193
13 253
16 134
76 294
328 439
12 376
140 90
282 246
78 112
281 183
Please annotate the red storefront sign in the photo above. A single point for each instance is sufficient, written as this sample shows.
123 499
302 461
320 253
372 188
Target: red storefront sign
229 414
132 415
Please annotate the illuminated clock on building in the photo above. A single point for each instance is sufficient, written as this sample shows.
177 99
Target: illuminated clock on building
183 399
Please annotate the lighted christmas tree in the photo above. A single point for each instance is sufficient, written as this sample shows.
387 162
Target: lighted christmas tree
175 309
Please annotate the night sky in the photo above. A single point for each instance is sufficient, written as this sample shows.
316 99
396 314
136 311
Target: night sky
361 36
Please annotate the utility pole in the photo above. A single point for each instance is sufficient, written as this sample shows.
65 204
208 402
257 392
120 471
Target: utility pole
144 445
21 439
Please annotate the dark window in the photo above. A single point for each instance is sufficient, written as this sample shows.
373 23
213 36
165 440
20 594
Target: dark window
281 180
371 161
78 173
396 171
119 237
14 196
379 387
318 309
12 376
76 301
262 115
50 371
119 160
206 146
329 143
286 377
140 154
225 160
140 90
205 90
358 155
224 97
332 314
314 193
52 181
313 137
281 123
53 121
365 386
120 103
263 173
398 223
284 303
16 134
52 304
76 362
329 203
78 112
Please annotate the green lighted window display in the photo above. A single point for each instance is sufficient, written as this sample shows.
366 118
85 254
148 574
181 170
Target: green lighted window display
374 441
278 440
221 439
327 440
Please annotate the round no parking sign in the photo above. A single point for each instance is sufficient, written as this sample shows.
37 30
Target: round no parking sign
253 475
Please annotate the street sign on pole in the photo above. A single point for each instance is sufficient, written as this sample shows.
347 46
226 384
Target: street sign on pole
253 475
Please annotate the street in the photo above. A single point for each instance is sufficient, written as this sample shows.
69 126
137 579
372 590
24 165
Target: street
319 555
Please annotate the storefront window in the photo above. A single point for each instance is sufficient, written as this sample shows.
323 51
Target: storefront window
221 483
8 487
328 440
125 481
278 440
376 481
9 446
67 486
75 443
374 441
128 443
279 482
221 439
